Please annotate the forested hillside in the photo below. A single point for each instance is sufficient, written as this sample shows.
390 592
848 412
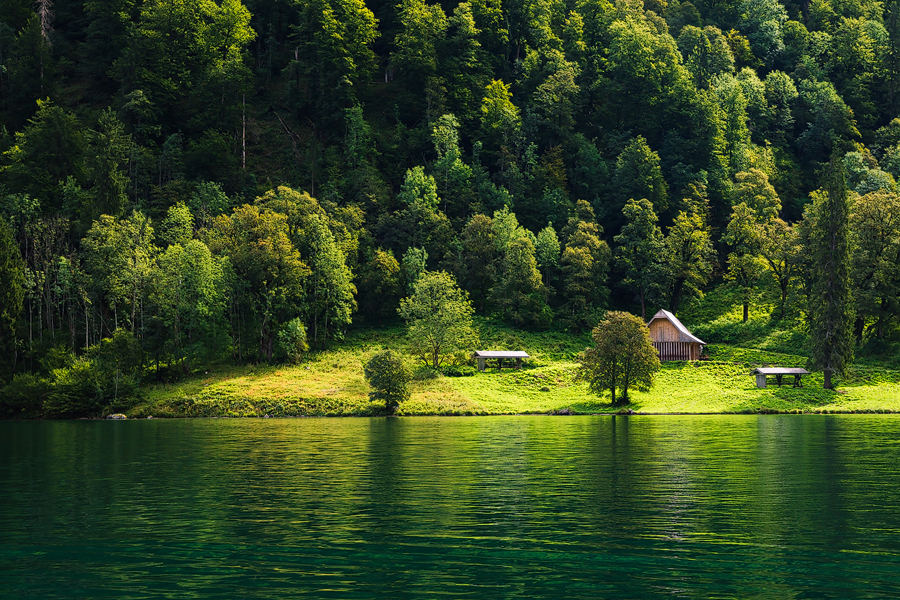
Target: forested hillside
186 181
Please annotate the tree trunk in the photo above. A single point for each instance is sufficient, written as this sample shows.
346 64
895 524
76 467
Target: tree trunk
643 306
827 384
676 296
746 311
858 329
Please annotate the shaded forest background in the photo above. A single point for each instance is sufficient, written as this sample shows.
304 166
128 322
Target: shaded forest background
183 181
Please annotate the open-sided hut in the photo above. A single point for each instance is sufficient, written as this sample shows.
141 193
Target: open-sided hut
672 339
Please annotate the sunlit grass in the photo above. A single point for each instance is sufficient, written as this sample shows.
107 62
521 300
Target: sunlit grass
331 383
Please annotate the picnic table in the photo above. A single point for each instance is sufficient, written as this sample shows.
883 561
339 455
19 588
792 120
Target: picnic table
778 372
484 355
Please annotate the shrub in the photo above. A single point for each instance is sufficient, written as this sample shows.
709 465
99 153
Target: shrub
425 373
389 377
23 396
292 341
458 370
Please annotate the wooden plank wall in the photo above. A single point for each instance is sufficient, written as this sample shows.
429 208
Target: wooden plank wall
663 331
676 351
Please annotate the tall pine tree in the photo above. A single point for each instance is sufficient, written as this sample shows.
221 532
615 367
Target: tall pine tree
830 304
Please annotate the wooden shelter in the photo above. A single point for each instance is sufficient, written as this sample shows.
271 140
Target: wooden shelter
778 372
484 355
672 339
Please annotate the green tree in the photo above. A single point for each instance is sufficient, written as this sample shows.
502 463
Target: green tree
744 264
452 175
412 266
780 96
706 53
119 256
334 48
875 259
729 96
547 251
753 189
622 357
389 377
830 308
438 316
519 294
500 119
639 175
780 249
419 188
380 285
330 292
45 155
641 254
269 274
423 28
178 226
690 256
188 294
108 150
292 341
585 266
479 258
12 295
761 21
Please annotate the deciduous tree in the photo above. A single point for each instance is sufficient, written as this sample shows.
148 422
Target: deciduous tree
438 316
622 357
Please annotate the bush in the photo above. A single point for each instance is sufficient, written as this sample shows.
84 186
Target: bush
389 377
292 341
425 373
23 397
103 381
458 370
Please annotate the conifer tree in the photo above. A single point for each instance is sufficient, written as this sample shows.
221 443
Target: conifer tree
830 304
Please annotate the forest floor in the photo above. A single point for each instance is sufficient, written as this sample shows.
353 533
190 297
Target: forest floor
331 382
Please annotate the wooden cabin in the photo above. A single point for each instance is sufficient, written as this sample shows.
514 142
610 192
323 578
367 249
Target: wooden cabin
672 339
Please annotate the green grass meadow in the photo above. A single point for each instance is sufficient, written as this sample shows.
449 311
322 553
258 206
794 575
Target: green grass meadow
331 383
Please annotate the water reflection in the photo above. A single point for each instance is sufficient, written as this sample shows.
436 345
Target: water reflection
526 507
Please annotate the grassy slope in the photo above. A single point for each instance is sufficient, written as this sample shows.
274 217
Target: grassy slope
332 383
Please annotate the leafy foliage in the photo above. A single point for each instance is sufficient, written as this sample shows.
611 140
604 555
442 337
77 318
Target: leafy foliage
622 357
329 153
389 377
439 318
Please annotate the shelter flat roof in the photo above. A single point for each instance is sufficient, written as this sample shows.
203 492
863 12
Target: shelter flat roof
500 354
779 371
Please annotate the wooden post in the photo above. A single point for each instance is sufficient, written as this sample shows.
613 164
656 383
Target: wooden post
760 380
481 366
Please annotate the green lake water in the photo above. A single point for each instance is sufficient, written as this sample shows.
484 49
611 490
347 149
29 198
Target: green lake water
783 506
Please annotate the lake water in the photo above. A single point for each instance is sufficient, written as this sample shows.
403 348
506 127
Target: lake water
784 506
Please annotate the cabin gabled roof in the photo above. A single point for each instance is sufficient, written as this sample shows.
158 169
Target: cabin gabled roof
664 314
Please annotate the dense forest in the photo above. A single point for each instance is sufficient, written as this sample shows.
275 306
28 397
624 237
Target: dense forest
184 181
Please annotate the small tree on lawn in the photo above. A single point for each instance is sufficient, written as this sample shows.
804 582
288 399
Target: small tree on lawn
439 318
389 378
622 357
